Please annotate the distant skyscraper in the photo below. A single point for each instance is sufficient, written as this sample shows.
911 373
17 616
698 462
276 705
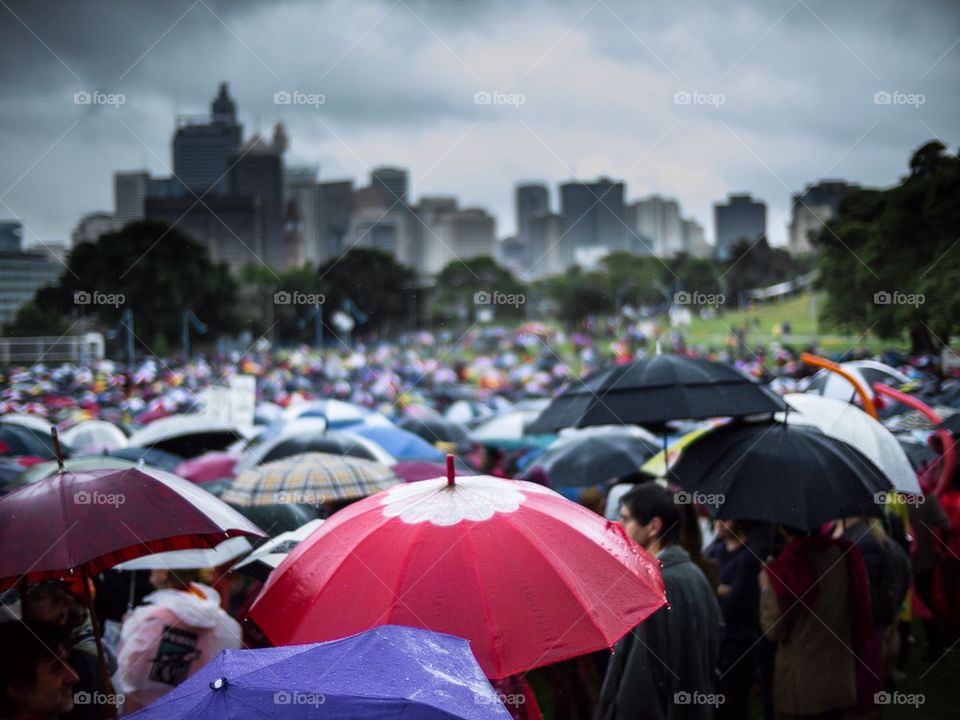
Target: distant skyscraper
11 235
292 237
812 209
257 170
22 273
656 221
459 235
543 251
130 189
300 186
336 206
392 183
531 200
203 149
741 218
694 240
593 216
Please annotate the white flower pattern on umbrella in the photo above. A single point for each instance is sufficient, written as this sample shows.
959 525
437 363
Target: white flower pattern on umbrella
434 501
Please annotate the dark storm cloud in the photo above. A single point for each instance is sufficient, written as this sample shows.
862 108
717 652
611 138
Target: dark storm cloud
598 79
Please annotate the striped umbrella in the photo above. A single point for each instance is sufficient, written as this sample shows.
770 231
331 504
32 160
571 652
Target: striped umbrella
310 478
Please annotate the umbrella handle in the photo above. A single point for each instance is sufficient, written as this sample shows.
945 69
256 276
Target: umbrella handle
97 635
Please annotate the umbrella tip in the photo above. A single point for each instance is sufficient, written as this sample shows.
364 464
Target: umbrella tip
450 478
56 447
218 684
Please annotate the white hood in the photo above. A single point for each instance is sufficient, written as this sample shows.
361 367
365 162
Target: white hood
193 611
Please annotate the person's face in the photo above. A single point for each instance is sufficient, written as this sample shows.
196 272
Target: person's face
52 694
725 529
159 579
645 535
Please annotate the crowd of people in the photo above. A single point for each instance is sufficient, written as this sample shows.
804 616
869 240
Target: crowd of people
803 624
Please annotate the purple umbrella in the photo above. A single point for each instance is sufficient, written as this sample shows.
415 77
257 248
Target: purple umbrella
389 671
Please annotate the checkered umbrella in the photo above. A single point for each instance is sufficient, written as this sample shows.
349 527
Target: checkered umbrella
309 478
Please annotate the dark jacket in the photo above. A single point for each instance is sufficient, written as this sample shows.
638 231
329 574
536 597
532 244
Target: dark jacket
665 668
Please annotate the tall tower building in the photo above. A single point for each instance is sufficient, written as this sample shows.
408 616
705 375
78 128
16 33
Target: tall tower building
203 148
739 219
130 191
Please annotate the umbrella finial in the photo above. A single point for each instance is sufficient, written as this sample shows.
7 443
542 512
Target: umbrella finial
56 447
450 480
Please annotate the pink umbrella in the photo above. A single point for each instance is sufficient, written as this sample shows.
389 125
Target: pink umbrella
208 467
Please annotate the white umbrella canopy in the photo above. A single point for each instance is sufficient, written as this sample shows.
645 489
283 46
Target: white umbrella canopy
31 422
853 426
266 558
192 559
94 436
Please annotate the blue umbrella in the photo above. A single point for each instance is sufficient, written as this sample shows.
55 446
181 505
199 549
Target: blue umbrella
402 444
389 671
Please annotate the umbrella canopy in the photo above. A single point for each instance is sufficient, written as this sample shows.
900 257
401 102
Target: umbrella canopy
21 440
40 471
31 422
208 467
340 442
476 557
149 456
792 475
867 372
654 390
192 559
95 519
952 424
853 426
337 413
310 478
510 431
94 436
267 558
401 444
593 456
437 429
386 672
187 435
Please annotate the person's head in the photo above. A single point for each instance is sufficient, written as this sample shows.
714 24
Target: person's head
35 678
650 516
50 602
170 580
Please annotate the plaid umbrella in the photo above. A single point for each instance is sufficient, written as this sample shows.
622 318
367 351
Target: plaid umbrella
310 478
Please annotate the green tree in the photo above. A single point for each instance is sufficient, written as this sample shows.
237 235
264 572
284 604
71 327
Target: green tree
151 269
889 261
461 283
373 281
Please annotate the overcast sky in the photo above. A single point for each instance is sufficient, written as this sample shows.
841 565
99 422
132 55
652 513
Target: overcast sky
782 93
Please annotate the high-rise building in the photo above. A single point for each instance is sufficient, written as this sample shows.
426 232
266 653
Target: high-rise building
739 219
257 170
336 207
203 148
300 187
130 190
593 217
812 209
656 222
22 273
532 200
392 183
459 235
292 237
694 240
544 250
512 254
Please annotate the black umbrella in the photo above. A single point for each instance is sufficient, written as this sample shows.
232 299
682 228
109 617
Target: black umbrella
653 390
952 424
155 457
773 472
21 440
437 429
333 443
594 455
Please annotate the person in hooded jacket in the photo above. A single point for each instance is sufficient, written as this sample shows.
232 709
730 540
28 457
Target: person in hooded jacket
179 629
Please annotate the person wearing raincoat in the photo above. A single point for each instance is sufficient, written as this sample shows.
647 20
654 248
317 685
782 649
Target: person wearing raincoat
179 629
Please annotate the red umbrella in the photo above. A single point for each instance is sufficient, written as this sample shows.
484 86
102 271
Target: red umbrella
208 467
527 576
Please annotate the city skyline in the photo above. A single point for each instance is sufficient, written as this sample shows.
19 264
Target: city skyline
479 100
